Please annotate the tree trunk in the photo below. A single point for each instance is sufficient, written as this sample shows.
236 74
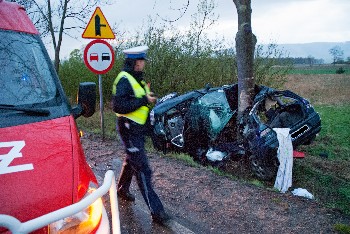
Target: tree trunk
245 46
57 59
60 36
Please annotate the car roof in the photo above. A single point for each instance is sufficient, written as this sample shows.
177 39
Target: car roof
14 17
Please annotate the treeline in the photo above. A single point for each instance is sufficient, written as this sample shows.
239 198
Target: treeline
310 61
304 61
178 63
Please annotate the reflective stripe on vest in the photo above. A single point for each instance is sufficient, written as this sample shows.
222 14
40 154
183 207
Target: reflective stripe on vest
140 115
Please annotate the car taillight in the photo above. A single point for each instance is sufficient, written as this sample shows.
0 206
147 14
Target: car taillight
86 221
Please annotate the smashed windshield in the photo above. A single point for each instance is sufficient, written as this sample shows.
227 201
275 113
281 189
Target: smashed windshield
25 77
212 113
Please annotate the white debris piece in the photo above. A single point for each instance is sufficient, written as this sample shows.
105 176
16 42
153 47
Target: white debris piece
285 156
214 155
303 193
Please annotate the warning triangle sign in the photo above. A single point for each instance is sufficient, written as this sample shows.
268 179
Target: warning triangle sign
98 27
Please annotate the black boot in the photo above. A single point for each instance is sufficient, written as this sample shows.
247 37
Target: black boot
126 195
161 218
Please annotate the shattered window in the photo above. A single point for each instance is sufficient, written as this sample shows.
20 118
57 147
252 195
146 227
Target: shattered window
279 112
286 100
215 112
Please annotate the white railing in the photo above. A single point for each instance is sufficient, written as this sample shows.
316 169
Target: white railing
17 227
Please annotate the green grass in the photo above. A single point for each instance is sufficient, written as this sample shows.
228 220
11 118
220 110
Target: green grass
327 188
93 123
342 228
319 69
334 138
326 177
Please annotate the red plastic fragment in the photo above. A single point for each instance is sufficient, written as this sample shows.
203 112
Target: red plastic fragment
298 154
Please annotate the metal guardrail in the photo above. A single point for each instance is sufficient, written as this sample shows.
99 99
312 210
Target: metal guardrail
17 227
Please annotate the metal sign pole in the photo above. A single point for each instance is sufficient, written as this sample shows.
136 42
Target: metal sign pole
99 58
101 106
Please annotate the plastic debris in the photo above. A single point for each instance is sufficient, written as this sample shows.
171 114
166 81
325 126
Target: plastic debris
214 155
302 193
298 154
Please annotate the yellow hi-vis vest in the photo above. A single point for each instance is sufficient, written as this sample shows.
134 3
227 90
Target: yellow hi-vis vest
140 115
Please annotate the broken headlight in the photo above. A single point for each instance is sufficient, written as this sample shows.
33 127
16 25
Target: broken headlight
85 221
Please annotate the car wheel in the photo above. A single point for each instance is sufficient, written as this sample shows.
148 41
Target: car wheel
196 145
198 154
262 168
221 165
310 141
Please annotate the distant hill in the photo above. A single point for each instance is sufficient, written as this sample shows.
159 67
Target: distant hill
318 50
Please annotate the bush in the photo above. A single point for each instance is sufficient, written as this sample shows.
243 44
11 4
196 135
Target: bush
178 63
340 70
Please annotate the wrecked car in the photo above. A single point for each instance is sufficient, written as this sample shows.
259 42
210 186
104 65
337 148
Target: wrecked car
203 123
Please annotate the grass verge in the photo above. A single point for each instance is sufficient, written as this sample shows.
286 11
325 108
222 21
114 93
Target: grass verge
325 171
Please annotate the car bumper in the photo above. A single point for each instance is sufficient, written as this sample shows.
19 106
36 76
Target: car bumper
306 131
104 227
15 226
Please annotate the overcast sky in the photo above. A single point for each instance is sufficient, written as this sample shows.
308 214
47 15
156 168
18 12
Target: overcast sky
277 21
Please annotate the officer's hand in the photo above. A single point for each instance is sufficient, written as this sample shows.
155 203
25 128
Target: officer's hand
151 97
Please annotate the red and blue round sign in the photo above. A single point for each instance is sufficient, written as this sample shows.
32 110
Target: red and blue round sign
99 56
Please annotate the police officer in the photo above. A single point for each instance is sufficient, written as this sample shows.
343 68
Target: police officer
131 103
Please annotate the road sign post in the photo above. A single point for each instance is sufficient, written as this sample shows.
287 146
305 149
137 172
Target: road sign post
99 58
101 106
98 54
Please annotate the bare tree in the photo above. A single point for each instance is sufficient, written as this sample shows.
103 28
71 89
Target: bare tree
203 19
245 46
337 54
56 18
310 60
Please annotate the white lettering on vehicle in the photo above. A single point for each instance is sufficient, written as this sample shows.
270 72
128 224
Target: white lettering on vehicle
15 152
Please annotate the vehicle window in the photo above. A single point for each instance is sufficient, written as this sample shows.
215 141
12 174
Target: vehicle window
215 108
280 111
25 77
286 100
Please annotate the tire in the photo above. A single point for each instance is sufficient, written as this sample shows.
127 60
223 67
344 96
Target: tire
196 144
264 169
310 141
221 165
198 154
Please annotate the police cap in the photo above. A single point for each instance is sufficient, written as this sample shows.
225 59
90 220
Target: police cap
138 52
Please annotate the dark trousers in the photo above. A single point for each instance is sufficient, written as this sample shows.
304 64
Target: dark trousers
136 163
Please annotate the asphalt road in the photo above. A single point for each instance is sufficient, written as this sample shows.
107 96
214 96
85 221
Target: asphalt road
135 216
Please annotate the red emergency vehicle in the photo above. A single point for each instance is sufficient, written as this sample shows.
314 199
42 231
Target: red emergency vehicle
42 163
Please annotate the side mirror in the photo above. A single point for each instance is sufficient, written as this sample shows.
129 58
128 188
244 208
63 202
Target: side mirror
86 100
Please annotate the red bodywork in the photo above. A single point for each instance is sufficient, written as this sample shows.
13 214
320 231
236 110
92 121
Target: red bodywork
42 164
17 20
60 174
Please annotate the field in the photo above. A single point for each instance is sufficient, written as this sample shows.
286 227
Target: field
321 89
326 169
